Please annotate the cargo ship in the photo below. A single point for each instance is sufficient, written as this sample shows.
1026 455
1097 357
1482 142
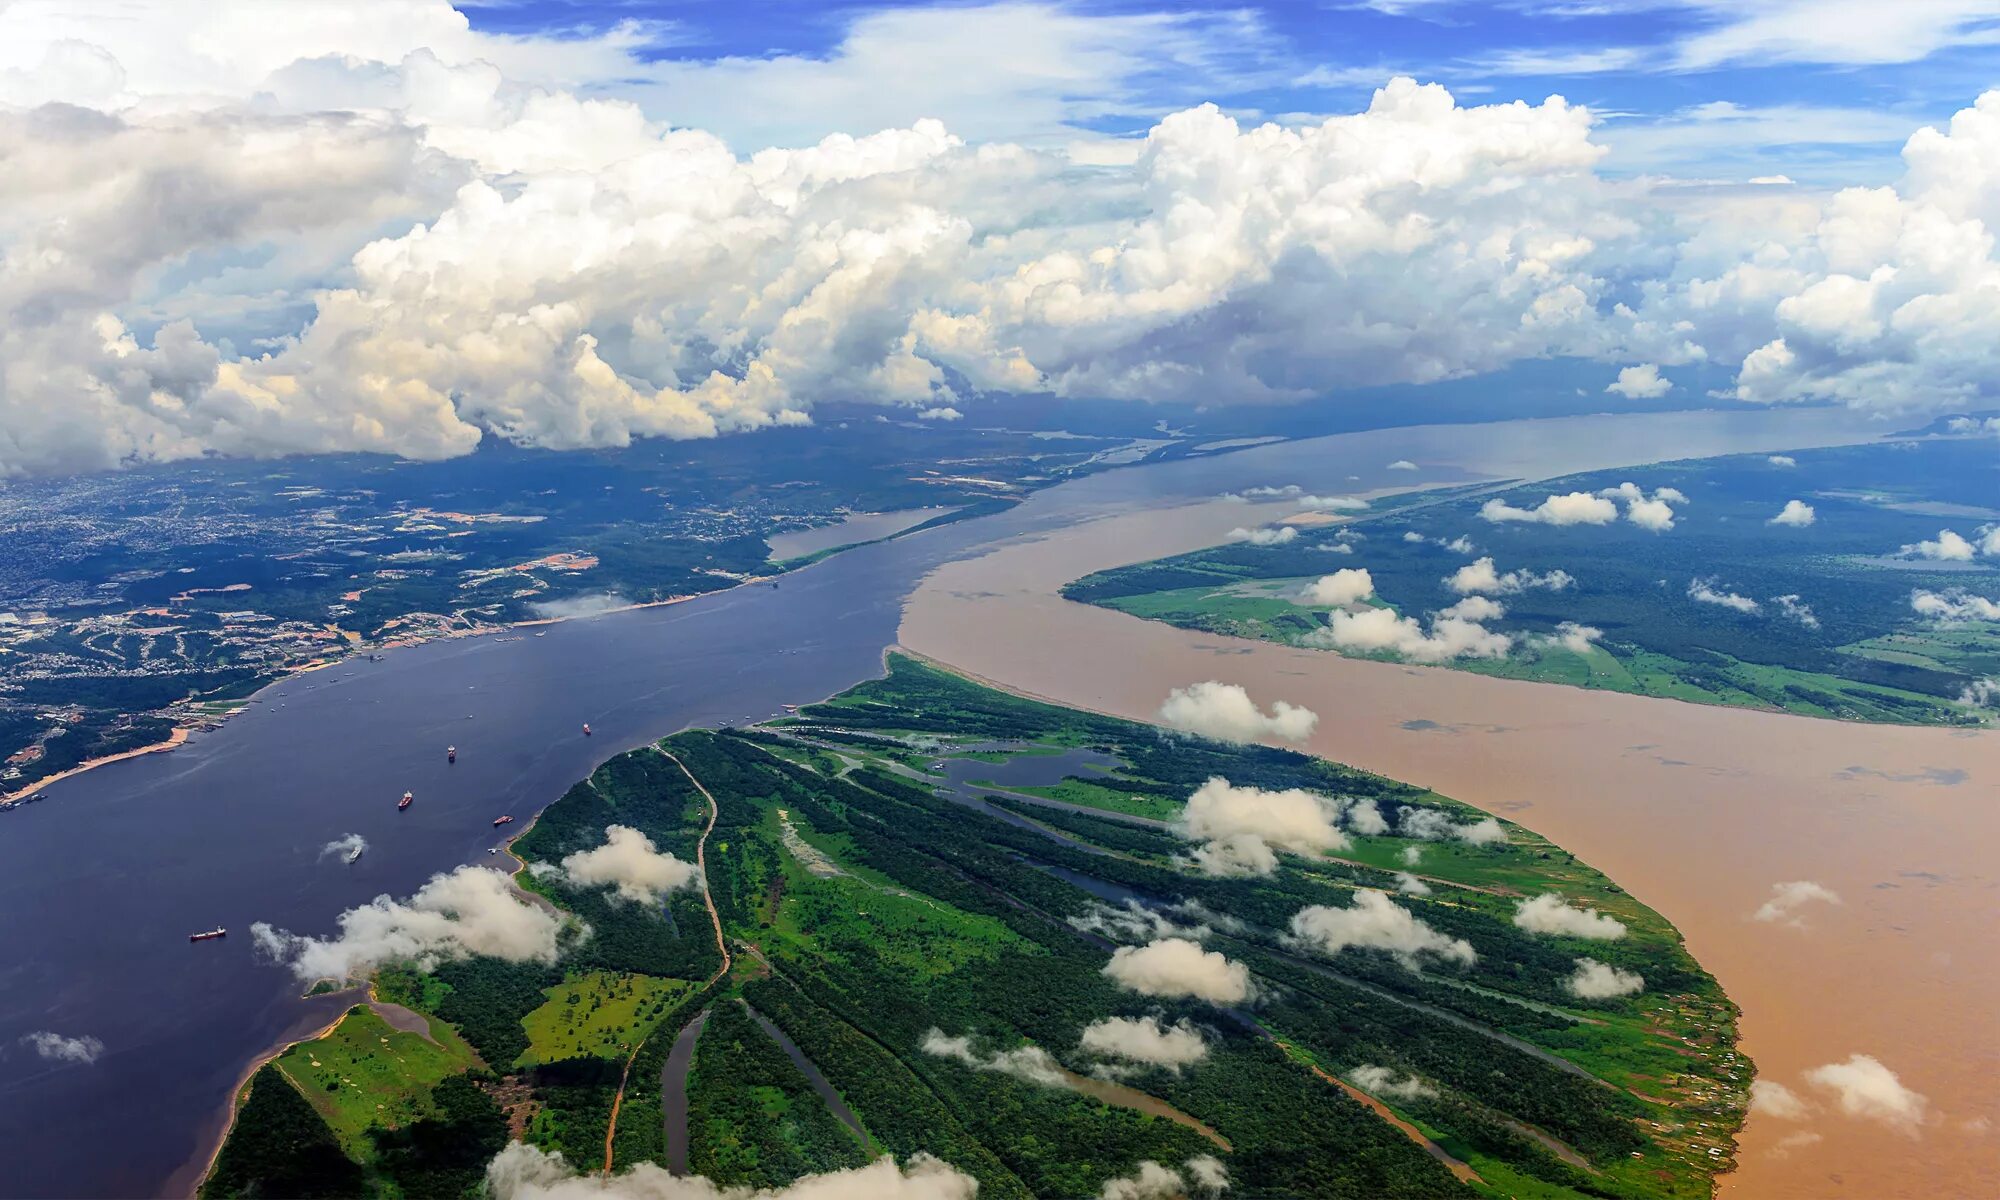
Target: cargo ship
451 754
502 820
216 932
586 729
404 802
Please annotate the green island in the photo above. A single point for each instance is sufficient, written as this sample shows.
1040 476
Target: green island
1816 615
919 963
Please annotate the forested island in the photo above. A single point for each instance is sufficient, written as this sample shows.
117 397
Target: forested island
1857 582
1044 946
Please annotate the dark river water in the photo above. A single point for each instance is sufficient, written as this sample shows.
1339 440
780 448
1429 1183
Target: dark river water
102 883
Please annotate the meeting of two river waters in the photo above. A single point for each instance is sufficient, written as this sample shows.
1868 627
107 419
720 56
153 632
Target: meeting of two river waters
999 600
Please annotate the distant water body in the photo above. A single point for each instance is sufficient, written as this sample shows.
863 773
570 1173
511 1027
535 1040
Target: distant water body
102 883
850 530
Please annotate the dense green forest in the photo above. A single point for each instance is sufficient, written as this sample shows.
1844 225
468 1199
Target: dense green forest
943 960
1726 605
757 1119
280 1147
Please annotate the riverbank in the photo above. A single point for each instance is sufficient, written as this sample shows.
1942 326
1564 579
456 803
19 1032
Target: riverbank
188 1181
175 737
1696 810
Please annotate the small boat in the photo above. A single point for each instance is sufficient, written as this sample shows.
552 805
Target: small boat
354 854
502 820
404 802
451 754
216 932
492 849
586 729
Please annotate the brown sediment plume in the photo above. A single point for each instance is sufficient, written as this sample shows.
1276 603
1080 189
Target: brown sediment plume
1696 810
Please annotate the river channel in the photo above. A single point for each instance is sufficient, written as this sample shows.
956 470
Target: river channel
103 881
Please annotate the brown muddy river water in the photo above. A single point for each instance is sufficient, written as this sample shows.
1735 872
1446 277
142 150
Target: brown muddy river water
1698 811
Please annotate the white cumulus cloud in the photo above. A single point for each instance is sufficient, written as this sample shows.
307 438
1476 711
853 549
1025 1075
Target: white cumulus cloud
1705 591
1380 629
1383 1082
1949 547
1593 980
1798 610
1862 1087
1434 825
1364 817
55 1047
1372 921
1410 885
1342 589
467 911
1201 1176
1176 967
1133 921
1248 821
1265 535
1954 604
1549 913
1573 508
1145 1041
1574 637
630 862
1796 514
1030 1063
1650 512
1772 1099
1642 382
408 234
1332 503
1480 575
1788 898
1226 712
1981 693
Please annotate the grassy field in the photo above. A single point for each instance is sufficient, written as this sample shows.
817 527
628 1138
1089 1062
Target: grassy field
599 1014
364 1075
862 912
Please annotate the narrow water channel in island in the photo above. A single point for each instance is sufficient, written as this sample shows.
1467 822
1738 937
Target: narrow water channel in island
109 874
817 1080
674 1092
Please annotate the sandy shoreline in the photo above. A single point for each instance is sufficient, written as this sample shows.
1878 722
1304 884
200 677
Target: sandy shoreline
1697 810
175 737
194 1179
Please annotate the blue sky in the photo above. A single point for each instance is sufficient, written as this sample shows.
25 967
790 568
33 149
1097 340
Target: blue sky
569 223
1824 92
